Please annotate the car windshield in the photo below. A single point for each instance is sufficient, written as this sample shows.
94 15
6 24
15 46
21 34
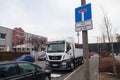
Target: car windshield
42 55
25 56
56 47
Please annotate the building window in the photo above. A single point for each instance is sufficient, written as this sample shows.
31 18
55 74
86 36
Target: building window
1 49
19 49
15 49
27 49
23 49
32 49
2 35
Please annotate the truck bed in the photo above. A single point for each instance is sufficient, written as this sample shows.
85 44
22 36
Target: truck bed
78 52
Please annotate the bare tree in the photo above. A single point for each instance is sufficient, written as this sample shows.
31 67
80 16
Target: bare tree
108 31
118 37
103 38
37 42
107 26
118 41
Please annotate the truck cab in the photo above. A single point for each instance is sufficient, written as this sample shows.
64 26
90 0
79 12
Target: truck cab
60 55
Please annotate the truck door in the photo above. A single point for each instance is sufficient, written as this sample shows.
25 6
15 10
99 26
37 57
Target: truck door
69 49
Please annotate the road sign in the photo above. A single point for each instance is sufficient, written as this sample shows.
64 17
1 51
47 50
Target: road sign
86 9
84 25
83 18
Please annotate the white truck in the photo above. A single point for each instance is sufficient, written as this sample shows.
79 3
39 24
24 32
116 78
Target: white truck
63 55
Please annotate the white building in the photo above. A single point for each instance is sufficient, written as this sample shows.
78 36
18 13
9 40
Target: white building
15 39
6 38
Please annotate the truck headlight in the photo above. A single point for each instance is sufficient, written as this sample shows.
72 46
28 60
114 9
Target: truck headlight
47 63
63 56
46 57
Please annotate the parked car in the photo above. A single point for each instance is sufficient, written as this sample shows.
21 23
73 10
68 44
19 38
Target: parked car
42 57
91 54
19 70
29 58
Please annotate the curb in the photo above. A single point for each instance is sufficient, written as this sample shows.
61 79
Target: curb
67 78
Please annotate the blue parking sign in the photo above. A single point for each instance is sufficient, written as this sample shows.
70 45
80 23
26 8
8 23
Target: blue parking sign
87 13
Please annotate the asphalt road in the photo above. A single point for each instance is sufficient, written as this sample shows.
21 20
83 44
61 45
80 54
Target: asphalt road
77 74
57 75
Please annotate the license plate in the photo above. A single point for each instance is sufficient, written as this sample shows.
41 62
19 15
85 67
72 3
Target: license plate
54 65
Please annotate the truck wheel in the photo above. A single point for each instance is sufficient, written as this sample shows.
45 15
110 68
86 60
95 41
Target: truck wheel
46 78
72 67
82 61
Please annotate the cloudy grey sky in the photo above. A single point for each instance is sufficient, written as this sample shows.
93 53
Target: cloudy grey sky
55 19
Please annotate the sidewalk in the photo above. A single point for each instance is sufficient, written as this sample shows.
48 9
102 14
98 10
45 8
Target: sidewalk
94 68
79 73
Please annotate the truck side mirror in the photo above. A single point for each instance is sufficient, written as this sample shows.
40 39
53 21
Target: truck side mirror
68 48
66 51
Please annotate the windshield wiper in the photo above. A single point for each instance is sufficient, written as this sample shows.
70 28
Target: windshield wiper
51 51
60 51
55 51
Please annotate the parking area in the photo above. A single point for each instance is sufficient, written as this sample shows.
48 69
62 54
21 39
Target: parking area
77 74
56 75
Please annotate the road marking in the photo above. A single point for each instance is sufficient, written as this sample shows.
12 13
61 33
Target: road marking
73 72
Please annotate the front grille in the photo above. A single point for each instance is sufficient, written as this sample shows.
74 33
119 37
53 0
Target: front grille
55 57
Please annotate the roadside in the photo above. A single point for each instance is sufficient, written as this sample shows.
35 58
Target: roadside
104 76
76 74
79 72
106 70
94 68
117 57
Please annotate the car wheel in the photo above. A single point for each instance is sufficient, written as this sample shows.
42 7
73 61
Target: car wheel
46 78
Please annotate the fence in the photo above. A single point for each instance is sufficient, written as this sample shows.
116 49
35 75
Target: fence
11 55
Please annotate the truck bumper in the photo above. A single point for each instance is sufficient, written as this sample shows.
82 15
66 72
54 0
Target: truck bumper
64 65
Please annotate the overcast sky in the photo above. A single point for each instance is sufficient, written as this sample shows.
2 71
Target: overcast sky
55 19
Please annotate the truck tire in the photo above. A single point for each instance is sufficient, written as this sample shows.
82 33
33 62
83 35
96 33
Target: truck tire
46 78
72 66
82 61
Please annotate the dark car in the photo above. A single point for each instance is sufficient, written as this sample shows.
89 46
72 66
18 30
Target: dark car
22 71
42 57
29 58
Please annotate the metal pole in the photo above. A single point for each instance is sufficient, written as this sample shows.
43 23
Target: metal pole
85 50
78 36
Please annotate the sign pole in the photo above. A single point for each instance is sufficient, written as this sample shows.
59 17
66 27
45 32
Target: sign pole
78 36
85 49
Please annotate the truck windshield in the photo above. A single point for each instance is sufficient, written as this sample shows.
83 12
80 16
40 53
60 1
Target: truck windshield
56 47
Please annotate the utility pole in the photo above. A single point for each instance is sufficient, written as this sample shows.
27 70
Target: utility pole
85 50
